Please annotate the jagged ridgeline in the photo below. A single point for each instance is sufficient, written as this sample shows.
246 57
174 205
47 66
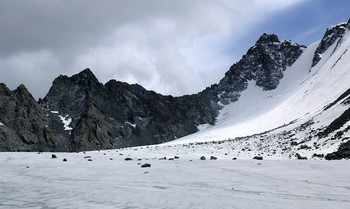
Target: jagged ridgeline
80 113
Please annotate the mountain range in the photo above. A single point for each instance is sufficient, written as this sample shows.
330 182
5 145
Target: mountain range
281 98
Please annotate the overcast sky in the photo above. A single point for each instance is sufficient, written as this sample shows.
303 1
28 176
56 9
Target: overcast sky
173 47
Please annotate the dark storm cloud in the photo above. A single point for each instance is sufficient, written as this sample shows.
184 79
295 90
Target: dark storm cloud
156 43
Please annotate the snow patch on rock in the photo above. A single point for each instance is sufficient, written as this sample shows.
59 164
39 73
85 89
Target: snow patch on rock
66 120
133 125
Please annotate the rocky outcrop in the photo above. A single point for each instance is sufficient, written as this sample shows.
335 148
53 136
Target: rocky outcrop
333 34
24 124
264 63
342 153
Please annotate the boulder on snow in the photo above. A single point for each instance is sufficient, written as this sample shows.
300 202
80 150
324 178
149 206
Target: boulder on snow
146 165
258 158
300 157
318 155
213 158
53 156
202 158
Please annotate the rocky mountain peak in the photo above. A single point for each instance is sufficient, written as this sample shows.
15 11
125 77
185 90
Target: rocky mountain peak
85 77
22 89
267 39
4 89
86 73
264 63
333 34
22 92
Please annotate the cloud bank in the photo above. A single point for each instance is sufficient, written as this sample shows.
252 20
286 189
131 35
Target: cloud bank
172 47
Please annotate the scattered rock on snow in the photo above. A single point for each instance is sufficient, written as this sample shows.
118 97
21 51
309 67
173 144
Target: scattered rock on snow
258 158
300 157
203 158
318 155
213 158
128 159
146 165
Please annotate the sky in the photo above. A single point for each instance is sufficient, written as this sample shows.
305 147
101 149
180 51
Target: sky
172 47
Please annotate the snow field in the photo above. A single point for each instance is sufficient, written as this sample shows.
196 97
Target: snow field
31 180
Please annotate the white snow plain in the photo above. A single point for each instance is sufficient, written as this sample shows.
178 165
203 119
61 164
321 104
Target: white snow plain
31 180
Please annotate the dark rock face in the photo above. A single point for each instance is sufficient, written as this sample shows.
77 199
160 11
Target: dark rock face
80 113
342 153
336 124
24 124
332 35
342 96
263 63
117 114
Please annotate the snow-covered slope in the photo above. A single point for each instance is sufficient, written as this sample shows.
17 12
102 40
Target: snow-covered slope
301 97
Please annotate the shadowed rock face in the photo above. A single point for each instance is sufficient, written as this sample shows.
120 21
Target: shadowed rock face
80 113
264 63
342 153
332 35
24 124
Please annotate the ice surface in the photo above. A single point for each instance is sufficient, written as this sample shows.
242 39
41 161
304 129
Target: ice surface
31 180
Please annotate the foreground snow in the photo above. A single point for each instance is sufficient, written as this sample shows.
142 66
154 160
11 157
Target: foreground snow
31 180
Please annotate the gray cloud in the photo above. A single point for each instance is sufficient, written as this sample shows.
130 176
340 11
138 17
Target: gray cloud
173 47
